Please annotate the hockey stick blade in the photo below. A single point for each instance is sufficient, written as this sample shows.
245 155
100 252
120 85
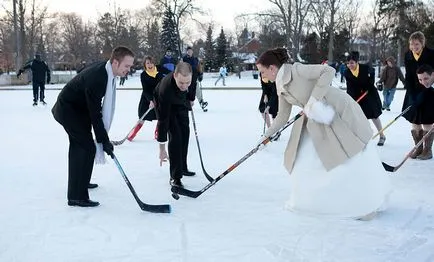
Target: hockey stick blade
120 142
143 206
390 168
186 192
195 194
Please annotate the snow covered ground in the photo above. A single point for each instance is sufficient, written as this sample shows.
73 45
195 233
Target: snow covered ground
241 218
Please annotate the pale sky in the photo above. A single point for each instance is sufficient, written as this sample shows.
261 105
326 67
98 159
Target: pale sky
222 11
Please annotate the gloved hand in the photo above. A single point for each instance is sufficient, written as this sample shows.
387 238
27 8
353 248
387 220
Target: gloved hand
108 148
319 111
19 73
48 79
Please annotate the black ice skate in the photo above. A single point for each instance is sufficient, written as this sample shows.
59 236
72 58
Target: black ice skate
204 105
35 103
43 102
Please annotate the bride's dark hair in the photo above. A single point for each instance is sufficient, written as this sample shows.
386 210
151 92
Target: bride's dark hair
277 56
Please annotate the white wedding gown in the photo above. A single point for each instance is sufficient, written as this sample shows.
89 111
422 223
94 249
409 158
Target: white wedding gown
355 189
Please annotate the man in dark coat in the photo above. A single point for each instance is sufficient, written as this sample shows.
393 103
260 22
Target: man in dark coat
172 108
40 74
78 109
195 67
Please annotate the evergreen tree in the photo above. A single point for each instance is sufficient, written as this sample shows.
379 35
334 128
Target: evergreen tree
153 47
169 38
221 55
209 53
310 50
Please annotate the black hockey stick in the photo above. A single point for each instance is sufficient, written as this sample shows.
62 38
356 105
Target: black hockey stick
210 179
390 168
143 206
120 142
195 194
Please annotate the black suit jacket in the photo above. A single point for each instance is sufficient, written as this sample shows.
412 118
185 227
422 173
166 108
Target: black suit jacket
169 101
79 102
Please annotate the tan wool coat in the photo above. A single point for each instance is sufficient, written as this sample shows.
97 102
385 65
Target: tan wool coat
347 135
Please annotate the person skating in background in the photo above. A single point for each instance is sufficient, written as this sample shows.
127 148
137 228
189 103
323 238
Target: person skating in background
195 67
88 102
361 78
40 75
268 104
342 69
222 75
330 146
168 61
417 55
199 94
389 79
172 106
424 107
150 77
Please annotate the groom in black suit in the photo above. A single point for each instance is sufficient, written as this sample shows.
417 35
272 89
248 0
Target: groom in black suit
79 108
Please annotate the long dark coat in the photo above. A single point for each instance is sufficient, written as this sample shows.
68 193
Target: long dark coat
417 115
269 90
148 87
356 86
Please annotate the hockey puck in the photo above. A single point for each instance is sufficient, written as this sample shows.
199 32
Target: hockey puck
205 110
175 196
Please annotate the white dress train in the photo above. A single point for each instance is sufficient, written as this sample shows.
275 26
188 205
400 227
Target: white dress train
354 189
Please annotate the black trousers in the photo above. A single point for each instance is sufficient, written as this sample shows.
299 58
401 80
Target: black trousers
80 159
179 135
38 88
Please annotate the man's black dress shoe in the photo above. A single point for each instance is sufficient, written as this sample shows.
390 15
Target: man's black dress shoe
83 203
176 182
91 185
188 173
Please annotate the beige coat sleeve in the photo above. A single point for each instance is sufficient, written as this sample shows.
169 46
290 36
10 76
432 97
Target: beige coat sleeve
281 118
324 74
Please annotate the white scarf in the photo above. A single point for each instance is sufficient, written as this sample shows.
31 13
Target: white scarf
108 110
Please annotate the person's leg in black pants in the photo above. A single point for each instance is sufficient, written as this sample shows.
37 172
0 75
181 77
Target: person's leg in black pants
35 91
183 121
42 91
175 148
80 161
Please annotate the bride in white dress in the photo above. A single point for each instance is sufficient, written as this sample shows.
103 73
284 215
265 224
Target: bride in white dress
334 167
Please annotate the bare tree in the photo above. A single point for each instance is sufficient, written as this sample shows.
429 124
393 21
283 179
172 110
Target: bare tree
181 10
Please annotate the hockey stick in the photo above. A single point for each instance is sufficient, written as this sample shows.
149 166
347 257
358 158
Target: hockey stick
390 168
143 206
393 121
120 142
210 179
195 194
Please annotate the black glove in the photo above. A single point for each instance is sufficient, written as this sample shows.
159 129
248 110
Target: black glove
48 79
19 73
200 77
380 86
108 148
